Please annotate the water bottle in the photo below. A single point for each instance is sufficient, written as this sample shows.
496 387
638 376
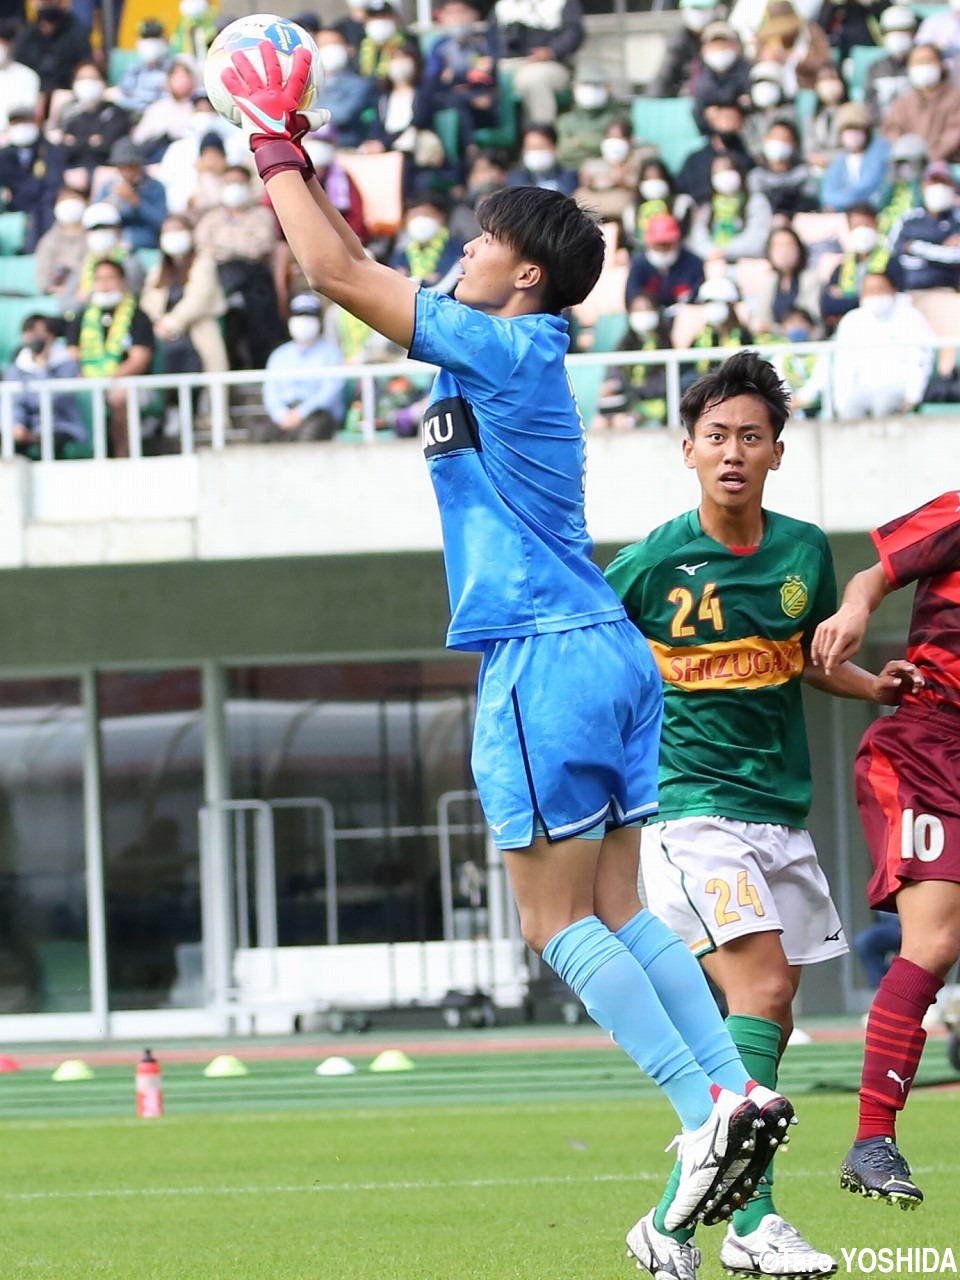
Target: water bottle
149 1083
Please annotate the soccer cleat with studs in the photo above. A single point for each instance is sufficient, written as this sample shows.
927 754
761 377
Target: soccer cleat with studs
712 1158
664 1257
776 1117
874 1168
775 1248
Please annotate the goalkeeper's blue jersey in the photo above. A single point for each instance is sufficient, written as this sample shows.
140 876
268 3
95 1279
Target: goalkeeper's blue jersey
504 444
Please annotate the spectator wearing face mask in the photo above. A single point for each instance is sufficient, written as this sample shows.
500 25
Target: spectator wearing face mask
768 105
183 299
382 36
580 130
926 241
724 72
851 22
196 29
908 159
145 80
168 117
101 227
321 150
92 125
796 44
42 356
53 46
887 79
723 126
859 171
537 40
792 283
608 180
636 395
306 404
783 176
345 94
402 121
664 270
883 354
722 326
140 199
62 250
656 193
461 70
112 338
682 52
31 174
864 254
19 84
822 131
539 166
931 110
942 29
425 250
806 374
733 223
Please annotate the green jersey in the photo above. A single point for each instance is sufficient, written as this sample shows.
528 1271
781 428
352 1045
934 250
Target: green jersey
730 631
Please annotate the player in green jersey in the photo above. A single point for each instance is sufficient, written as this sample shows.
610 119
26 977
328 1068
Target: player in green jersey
729 597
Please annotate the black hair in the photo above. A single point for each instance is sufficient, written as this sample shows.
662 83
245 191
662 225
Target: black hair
745 374
50 323
492 155
863 207
551 230
885 275
783 122
803 314
9 30
547 130
110 262
425 194
803 260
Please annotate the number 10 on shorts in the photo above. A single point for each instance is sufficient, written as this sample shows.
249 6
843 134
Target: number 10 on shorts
921 836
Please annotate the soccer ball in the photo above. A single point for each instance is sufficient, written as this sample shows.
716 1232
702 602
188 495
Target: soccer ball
246 34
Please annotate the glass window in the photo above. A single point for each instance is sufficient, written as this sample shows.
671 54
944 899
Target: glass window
44 957
151 726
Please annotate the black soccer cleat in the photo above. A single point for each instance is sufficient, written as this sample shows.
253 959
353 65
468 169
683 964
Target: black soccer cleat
874 1168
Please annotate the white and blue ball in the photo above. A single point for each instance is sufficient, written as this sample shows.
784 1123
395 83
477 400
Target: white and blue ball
246 34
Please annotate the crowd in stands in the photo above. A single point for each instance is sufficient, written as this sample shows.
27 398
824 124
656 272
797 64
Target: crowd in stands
814 195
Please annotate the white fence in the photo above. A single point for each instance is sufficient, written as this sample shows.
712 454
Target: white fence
213 427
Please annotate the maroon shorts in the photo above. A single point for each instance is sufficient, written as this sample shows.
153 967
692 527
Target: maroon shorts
907 774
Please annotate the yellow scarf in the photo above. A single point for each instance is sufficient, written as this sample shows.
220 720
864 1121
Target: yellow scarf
852 270
423 258
99 356
725 217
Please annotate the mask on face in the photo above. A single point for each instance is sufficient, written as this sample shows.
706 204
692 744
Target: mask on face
23 135
853 140
591 97
538 160
697 20
938 197
151 51
379 30
36 346
879 305
402 70
88 91
68 212
102 241
235 194
106 299
776 151
720 60
654 189
615 150
898 43
662 259
423 228
320 152
716 314
193 9
304 328
830 92
924 75
176 243
333 58
727 182
765 94
643 321
862 239
797 333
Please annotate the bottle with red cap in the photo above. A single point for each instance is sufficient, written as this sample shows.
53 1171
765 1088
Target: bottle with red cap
149 1083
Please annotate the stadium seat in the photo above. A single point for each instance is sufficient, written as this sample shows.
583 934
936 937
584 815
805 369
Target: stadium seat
668 124
644 54
18 274
446 125
13 312
13 230
862 57
820 228
587 380
120 60
941 307
608 331
503 135
806 104
148 258
378 177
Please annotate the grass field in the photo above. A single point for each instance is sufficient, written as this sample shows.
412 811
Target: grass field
488 1167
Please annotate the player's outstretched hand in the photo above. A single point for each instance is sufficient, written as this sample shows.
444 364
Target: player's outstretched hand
895 681
269 106
839 637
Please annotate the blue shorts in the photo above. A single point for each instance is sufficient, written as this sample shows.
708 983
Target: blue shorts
567 732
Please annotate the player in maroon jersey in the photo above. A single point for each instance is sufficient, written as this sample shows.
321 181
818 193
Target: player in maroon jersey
908 791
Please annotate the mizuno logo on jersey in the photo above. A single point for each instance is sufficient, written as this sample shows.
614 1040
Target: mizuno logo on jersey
691 569
449 427
750 663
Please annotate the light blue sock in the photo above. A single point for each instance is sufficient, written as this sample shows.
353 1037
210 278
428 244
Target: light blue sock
682 990
620 997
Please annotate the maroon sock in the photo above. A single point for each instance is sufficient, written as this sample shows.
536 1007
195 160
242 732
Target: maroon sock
894 1043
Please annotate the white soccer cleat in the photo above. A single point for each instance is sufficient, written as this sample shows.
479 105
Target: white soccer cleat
773 1132
664 1257
712 1158
774 1249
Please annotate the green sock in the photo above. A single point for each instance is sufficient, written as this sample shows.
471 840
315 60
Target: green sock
684 1234
758 1040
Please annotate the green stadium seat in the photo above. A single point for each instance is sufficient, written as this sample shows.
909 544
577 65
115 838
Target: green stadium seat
669 125
862 57
446 125
148 258
18 274
120 60
587 380
13 312
608 331
13 230
503 135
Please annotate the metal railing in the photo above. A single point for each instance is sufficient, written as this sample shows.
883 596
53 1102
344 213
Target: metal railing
216 416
